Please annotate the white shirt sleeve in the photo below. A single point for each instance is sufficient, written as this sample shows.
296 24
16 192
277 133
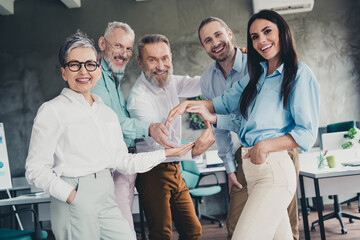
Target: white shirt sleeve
39 163
127 163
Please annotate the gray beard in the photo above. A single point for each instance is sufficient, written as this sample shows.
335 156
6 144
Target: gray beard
114 68
152 79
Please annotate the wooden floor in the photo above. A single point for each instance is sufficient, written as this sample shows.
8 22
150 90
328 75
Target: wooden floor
332 227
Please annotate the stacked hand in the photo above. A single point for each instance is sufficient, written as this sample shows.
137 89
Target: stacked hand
204 141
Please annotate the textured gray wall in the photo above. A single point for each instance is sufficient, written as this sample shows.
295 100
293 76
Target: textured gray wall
327 39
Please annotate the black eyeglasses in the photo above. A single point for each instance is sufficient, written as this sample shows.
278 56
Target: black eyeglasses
75 66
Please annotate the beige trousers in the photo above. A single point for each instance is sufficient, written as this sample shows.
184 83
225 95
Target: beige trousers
271 187
93 214
238 197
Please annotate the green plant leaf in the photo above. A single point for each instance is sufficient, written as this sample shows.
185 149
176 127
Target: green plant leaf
347 145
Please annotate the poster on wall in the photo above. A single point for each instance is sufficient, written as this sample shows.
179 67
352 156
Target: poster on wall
5 177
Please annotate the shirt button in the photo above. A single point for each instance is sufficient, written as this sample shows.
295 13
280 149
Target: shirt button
143 135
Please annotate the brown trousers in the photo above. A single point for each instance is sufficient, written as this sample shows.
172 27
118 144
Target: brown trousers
238 197
164 196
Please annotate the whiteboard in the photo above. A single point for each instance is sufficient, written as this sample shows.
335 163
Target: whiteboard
5 177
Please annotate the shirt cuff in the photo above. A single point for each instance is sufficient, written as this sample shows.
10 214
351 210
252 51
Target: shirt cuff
143 129
61 190
219 106
230 166
304 139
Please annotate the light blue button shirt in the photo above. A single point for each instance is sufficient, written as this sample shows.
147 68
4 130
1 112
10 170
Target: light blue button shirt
213 84
267 119
113 97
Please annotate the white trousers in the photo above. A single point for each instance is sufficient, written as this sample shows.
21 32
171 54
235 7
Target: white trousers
271 187
93 214
124 194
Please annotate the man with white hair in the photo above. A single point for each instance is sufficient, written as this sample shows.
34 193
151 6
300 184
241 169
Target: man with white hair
117 47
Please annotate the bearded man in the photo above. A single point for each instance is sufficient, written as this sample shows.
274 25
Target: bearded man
162 190
117 47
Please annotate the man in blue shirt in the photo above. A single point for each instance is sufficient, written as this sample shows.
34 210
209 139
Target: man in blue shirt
117 47
229 67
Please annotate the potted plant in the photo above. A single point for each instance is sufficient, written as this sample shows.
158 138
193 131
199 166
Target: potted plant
353 137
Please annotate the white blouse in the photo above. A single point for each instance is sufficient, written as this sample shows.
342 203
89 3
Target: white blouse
71 138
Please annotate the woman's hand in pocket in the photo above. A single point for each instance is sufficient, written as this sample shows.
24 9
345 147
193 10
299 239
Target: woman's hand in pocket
258 153
71 196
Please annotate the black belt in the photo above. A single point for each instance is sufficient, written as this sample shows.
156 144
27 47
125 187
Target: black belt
171 163
132 149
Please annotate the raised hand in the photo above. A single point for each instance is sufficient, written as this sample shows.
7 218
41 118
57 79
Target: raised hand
159 132
181 108
178 151
176 111
204 141
203 112
243 49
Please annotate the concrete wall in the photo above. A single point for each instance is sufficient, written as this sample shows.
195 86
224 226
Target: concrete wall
327 39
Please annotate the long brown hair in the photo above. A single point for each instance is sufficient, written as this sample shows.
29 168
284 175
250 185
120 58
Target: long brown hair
288 56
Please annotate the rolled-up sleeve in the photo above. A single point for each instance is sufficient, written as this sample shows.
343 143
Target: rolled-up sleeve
305 108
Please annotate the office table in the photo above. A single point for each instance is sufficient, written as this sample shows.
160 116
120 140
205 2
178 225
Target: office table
25 199
328 181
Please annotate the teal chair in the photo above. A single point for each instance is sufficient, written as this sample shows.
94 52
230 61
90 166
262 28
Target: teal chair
338 127
191 175
12 234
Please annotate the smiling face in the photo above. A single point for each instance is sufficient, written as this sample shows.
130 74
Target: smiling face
156 63
81 81
117 49
265 39
216 41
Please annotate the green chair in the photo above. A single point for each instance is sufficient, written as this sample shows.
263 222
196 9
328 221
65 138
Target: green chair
12 234
338 127
191 175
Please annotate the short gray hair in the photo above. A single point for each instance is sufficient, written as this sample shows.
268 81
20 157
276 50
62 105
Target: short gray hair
151 38
77 40
114 25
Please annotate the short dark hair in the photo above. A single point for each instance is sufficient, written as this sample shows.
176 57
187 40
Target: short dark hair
78 39
151 38
209 20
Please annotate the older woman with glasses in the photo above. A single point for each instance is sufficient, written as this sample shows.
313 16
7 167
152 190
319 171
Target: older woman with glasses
76 143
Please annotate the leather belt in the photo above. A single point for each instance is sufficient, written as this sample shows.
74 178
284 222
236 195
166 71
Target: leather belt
132 149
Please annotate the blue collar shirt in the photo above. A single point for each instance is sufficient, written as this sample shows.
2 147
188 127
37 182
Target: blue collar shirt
267 119
213 84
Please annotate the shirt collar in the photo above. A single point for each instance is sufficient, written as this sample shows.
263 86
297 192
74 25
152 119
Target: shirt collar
107 69
279 70
74 96
237 63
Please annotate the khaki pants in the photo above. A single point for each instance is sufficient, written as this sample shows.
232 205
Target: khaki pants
238 198
93 214
165 197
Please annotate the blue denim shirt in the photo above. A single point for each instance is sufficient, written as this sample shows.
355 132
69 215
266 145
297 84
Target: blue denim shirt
267 118
113 97
213 84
